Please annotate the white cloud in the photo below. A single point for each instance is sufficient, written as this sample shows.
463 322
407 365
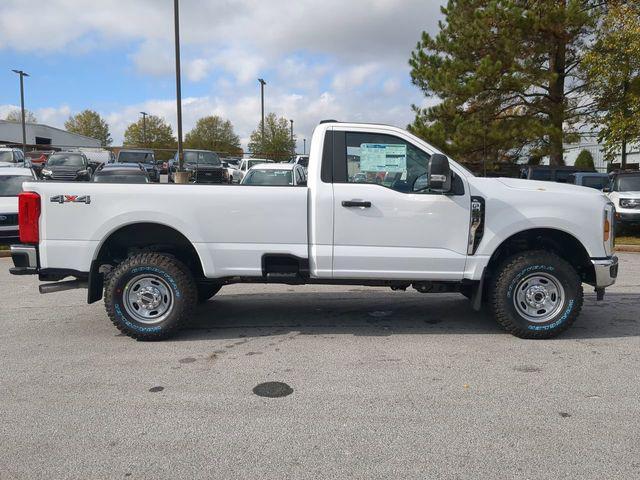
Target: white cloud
321 58
354 77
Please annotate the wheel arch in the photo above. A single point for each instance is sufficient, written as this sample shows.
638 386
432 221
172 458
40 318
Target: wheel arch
560 242
141 236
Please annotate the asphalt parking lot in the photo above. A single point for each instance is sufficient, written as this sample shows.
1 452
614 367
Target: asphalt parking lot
385 384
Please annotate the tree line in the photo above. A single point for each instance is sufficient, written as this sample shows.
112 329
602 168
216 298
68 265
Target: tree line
518 78
209 133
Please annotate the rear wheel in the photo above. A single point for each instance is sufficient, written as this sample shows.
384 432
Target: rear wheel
536 295
150 296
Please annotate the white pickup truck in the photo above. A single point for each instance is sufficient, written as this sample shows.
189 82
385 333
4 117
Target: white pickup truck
381 208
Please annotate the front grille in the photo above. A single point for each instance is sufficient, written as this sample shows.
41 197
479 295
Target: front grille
8 219
63 176
209 176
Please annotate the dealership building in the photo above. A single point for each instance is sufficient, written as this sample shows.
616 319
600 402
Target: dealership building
42 137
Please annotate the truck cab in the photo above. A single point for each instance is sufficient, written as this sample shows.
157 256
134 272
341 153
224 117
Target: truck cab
381 207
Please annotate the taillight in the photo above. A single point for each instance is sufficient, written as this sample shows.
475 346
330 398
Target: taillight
28 217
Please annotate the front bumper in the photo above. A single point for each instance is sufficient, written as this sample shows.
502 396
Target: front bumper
25 260
625 218
606 271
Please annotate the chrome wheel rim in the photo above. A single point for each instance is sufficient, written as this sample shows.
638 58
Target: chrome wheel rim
148 299
539 297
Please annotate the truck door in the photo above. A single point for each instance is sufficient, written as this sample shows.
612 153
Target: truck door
386 224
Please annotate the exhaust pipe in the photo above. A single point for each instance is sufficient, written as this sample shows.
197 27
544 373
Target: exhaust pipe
62 286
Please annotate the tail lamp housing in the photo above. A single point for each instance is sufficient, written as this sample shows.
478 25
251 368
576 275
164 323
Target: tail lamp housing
29 217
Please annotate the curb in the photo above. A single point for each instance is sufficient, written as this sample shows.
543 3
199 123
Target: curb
628 248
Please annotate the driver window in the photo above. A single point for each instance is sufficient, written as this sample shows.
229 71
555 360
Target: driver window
386 160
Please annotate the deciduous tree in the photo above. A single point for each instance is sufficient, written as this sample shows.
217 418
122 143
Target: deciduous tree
90 124
613 71
277 143
16 116
213 133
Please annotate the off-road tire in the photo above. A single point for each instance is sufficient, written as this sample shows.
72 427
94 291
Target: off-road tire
177 277
207 290
516 268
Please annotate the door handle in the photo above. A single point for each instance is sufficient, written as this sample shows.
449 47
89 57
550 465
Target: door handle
356 203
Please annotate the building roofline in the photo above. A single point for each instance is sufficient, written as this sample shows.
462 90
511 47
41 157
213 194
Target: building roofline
53 128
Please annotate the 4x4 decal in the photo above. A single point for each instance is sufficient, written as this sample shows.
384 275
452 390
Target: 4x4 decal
71 199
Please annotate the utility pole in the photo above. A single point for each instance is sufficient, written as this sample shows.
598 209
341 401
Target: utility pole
293 146
24 130
144 128
176 17
262 84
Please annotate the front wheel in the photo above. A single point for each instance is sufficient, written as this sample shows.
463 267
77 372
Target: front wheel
536 295
150 296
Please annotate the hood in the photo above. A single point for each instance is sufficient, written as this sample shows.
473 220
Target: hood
554 187
628 194
64 168
8 205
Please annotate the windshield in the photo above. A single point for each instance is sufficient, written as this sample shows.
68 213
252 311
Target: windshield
269 177
540 175
627 184
11 185
6 157
66 159
136 157
251 163
202 158
595 182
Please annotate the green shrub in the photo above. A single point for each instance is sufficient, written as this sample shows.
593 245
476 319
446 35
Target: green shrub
585 161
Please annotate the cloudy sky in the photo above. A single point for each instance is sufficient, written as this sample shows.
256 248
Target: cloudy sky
342 59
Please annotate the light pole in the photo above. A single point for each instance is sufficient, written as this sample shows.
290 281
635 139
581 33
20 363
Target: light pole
24 130
304 146
176 18
293 147
144 128
262 84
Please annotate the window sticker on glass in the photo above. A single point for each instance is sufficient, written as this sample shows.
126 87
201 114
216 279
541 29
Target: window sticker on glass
383 157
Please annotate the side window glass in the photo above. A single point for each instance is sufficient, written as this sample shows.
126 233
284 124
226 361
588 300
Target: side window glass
385 160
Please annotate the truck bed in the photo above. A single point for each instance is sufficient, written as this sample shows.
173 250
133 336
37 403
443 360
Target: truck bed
217 219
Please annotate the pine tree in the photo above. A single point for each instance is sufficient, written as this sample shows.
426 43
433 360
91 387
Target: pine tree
506 75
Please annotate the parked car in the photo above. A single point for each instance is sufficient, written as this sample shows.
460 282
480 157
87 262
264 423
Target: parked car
302 160
204 166
38 159
12 157
549 174
11 180
281 174
145 157
231 164
431 225
68 167
244 165
624 192
98 156
121 173
589 179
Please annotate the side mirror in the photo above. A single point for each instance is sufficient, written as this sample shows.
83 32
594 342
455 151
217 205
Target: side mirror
606 190
439 173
